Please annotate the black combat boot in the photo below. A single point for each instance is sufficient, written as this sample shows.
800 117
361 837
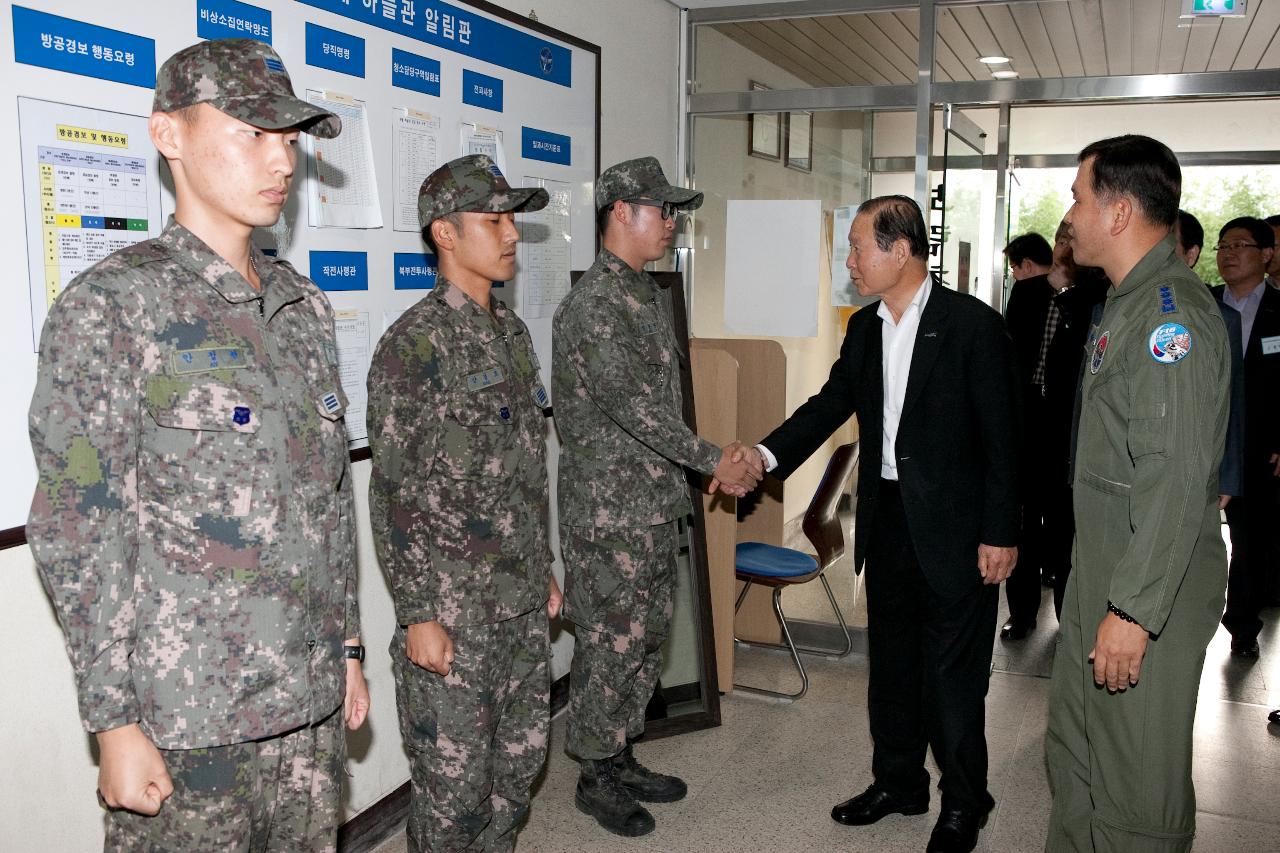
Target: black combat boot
601 795
643 783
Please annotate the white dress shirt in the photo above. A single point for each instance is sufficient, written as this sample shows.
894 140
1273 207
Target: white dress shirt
898 341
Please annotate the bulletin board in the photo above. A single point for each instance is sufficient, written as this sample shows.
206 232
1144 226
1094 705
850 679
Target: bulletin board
417 82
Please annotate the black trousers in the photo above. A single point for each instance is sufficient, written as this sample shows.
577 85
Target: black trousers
1252 521
930 661
1048 525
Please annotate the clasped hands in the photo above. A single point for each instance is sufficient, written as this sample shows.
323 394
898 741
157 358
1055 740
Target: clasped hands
740 470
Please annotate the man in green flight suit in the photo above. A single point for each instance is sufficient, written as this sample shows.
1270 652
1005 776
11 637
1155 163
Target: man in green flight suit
1150 566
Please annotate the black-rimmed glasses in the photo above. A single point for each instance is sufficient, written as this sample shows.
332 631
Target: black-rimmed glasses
669 208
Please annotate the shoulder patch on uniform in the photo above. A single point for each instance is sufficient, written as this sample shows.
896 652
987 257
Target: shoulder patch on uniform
1167 303
485 379
1169 342
1099 351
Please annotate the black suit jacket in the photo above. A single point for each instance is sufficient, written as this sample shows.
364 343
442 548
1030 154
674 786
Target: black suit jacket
956 439
1261 390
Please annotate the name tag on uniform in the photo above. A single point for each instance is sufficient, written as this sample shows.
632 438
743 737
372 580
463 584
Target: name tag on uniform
1271 345
648 327
209 358
484 379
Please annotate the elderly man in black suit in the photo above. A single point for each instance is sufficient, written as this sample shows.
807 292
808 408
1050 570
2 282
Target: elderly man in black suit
929 374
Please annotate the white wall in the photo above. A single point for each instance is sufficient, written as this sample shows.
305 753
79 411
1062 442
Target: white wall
47 789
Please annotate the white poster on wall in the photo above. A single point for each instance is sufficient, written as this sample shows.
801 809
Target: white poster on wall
343 190
91 187
351 331
773 250
545 241
478 139
417 141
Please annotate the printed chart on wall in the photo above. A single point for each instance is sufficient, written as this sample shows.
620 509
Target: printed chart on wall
546 239
91 186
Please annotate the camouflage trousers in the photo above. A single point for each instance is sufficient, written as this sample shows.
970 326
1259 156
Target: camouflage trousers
618 592
280 793
476 738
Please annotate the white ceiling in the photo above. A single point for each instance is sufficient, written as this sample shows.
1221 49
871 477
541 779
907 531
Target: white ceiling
1078 38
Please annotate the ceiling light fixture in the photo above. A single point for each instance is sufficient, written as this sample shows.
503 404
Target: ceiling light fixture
993 60
1004 75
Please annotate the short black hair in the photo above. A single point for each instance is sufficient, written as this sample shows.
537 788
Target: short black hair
1030 245
602 215
897 217
1273 219
1190 231
1260 231
1140 167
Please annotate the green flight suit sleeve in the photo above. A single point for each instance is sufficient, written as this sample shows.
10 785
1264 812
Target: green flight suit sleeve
1177 416
83 526
405 426
617 373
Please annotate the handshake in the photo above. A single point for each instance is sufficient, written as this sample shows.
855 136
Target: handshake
740 470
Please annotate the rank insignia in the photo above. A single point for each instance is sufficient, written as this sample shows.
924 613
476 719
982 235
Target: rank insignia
540 396
1099 351
1169 342
1167 304
331 402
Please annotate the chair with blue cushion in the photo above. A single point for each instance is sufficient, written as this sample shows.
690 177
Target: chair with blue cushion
779 567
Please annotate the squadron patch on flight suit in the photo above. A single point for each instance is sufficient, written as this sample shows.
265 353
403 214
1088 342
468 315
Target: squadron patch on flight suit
1169 342
1099 350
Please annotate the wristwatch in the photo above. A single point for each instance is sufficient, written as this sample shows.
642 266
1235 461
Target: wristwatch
354 653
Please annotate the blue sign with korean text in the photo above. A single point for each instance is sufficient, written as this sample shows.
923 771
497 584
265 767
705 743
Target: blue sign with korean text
231 19
410 71
62 44
461 31
481 90
336 51
340 270
414 271
544 145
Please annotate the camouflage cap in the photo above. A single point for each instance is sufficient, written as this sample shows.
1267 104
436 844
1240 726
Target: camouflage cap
473 184
243 78
642 178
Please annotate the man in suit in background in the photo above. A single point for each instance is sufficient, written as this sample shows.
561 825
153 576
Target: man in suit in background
1030 259
1076 293
929 374
1244 251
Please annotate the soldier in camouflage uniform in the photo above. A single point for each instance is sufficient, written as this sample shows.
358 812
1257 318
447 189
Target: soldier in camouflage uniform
192 523
458 504
616 383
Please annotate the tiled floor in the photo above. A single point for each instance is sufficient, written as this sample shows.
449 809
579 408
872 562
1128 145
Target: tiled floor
766 779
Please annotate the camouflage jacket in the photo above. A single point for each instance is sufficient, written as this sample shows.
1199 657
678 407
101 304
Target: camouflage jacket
192 521
618 404
458 499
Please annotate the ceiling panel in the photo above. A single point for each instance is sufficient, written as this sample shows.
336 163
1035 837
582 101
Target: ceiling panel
1030 24
1050 38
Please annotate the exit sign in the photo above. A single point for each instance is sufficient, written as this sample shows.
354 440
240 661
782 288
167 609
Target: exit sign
1212 8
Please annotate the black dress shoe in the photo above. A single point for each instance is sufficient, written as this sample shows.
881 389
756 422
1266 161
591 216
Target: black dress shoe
1016 630
874 803
1274 717
956 830
1245 649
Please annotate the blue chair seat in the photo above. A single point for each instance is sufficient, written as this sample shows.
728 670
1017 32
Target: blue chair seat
773 561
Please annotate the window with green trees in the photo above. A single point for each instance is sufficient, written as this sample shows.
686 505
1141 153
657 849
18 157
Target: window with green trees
1214 194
